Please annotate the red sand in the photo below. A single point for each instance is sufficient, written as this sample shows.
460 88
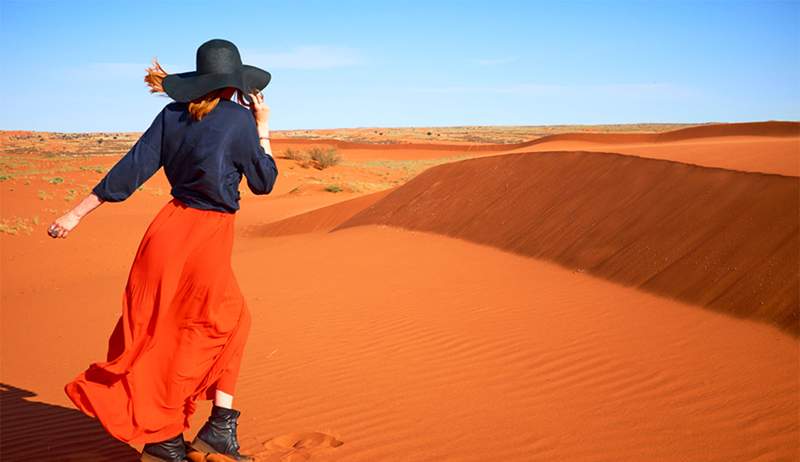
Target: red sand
406 345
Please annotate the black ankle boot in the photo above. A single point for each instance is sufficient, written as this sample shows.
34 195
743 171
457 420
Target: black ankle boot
218 434
171 450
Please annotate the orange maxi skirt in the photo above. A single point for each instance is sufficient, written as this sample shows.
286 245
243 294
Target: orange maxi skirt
181 333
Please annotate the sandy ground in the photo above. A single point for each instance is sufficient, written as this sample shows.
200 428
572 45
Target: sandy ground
418 331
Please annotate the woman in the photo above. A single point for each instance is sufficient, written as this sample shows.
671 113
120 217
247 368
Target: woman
184 322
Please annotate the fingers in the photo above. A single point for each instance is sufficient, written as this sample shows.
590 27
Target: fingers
256 102
258 96
55 230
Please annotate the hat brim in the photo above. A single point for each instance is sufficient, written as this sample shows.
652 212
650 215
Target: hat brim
186 86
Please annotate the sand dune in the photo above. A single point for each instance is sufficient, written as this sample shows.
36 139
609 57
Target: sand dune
779 154
721 239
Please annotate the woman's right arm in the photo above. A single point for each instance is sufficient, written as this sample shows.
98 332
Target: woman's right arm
258 165
261 114
263 138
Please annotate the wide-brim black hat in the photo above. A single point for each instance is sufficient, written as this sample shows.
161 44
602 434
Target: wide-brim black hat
218 65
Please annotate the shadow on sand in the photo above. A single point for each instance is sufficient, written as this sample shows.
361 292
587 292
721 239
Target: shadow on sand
31 430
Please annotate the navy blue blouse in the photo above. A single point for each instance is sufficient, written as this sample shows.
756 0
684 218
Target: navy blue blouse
203 160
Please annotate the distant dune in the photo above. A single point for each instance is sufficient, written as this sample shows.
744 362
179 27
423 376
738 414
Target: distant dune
782 129
391 146
770 128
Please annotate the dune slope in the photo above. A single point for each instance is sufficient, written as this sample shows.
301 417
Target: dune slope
721 239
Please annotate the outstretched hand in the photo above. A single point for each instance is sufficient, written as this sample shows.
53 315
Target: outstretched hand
63 225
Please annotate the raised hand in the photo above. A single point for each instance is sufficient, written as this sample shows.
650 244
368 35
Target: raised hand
260 109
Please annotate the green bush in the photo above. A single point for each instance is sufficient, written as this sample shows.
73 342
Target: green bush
334 188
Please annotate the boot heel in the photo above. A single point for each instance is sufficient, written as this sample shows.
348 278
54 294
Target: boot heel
151 458
200 445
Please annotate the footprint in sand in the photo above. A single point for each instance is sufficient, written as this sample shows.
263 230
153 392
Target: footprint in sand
296 447
291 447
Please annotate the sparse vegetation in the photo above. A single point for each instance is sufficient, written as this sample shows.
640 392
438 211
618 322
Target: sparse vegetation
365 186
93 168
15 225
55 180
334 188
409 167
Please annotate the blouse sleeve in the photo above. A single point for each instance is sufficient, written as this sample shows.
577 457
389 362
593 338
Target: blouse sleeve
135 167
252 161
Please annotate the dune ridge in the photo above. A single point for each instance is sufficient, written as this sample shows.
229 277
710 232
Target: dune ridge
721 239
323 219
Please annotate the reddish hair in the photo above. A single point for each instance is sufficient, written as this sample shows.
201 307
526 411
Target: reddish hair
198 107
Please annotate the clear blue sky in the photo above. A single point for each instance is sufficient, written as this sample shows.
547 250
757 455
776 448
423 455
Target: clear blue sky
76 66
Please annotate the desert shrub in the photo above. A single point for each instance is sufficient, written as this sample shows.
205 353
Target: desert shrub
56 180
324 158
334 188
294 154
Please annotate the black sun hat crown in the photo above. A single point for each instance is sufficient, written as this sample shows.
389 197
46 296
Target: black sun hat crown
217 65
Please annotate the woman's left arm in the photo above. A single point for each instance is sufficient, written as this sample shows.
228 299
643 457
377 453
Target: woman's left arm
65 223
130 172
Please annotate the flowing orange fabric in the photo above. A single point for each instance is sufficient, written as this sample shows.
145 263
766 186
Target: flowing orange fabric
181 333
